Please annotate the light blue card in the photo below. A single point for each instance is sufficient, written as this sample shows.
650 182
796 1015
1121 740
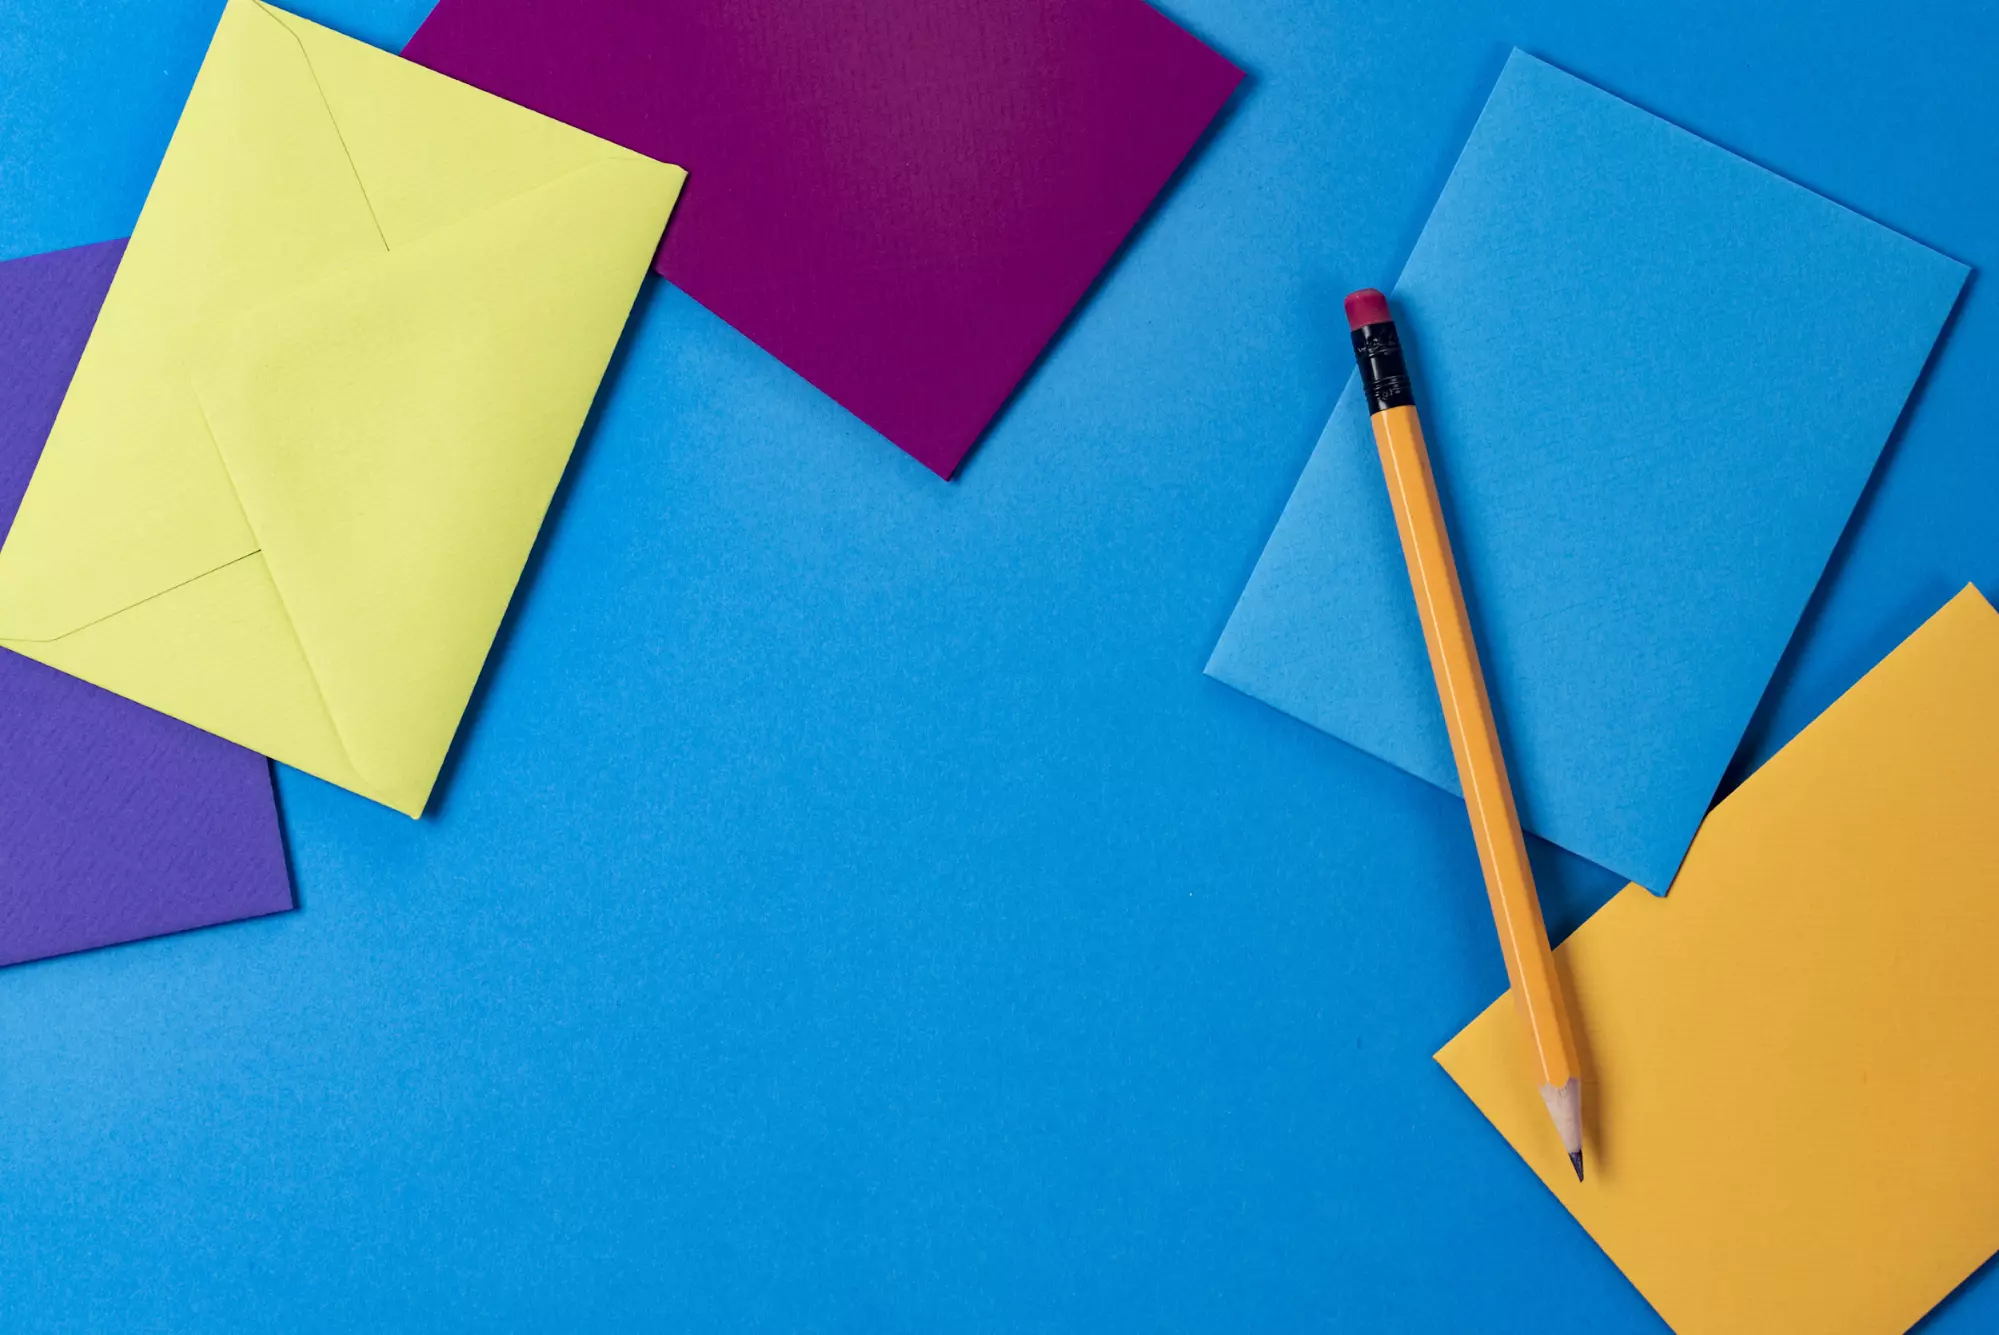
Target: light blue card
1655 378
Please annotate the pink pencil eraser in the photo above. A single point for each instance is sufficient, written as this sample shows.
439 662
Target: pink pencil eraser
1366 307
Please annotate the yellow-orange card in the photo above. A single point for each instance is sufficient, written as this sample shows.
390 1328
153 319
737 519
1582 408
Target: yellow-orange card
1794 1058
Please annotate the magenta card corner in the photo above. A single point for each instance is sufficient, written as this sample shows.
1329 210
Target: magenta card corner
903 200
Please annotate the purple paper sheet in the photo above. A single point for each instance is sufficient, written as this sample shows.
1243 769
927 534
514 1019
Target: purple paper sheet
902 200
116 823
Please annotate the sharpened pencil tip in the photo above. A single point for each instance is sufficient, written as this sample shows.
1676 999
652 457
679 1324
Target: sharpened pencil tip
1576 1162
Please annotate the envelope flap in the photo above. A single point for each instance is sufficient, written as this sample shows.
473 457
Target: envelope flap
395 433
254 196
429 150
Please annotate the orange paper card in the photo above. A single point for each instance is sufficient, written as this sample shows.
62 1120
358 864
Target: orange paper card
1793 1059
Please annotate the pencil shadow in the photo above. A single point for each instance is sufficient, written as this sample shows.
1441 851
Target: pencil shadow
475 707
1222 120
1571 888
1600 1155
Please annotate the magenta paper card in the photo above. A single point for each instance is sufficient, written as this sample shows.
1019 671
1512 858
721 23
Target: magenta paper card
902 200
116 823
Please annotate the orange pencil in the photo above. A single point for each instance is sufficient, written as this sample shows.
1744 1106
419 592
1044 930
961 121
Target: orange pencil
1495 824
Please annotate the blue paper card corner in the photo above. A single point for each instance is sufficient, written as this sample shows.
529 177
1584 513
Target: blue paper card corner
1656 378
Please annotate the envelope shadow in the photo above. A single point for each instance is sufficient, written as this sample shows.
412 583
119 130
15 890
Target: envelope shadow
1767 730
447 774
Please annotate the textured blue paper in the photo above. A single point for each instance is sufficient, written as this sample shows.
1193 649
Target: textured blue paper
1655 378
800 947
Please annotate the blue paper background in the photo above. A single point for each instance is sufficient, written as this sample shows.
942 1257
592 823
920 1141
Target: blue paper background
1660 378
813 939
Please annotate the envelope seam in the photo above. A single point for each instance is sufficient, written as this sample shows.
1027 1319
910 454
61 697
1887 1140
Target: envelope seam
353 168
215 442
615 152
121 611
311 671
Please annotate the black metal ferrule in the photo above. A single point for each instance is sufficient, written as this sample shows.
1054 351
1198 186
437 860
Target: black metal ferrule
1383 377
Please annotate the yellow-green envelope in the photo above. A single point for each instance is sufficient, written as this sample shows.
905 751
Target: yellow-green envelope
332 390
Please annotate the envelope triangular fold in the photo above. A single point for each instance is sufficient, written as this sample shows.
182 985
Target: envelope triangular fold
257 195
304 458
368 541
475 150
218 652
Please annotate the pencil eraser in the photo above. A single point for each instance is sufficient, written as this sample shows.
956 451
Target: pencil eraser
1366 307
